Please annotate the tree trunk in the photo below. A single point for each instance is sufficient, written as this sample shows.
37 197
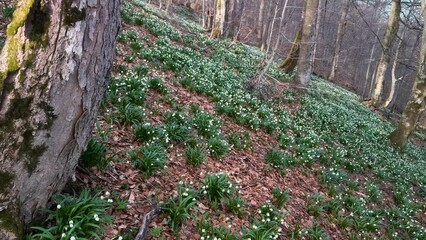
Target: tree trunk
267 24
290 63
53 72
391 30
416 104
260 23
234 18
169 2
317 32
304 63
219 19
269 58
339 38
394 79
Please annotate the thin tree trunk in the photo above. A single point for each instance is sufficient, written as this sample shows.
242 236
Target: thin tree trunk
169 2
269 58
367 74
267 23
339 38
317 32
260 23
416 104
304 62
394 78
219 19
203 15
391 30
53 72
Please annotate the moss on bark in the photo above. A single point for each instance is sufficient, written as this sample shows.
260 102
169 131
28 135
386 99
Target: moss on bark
5 181
72 14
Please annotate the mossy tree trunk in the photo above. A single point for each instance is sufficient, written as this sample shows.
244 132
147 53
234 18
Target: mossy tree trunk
219 19
391 31
290 63
416 104
53 74
339 38
304 62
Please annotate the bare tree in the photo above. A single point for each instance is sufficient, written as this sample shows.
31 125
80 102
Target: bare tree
416 104
219 19
391 30
304 62
339 38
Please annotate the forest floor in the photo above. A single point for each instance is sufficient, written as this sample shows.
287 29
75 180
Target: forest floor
223 163
182 133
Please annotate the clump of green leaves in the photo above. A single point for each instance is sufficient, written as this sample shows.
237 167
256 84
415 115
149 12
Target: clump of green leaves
195 155
178 208
280 197
81 217
149 158
95 155
218 147
217 186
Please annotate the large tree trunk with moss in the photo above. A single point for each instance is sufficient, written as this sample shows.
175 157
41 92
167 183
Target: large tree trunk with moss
53 72
219 19
290 63
304 62
391 31
339 38
416 104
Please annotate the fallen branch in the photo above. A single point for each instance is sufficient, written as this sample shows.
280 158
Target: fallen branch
147 219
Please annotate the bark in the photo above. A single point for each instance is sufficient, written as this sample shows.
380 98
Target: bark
290 63
169 2
339 38
317 31
416 104
260 23
232 24
367 74
267 25
391 30
304 62
219 19
53 71
394 79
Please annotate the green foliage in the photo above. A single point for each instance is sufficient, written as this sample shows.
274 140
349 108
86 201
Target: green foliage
240 141
7 11
235 205
208 231
218 147
279 158
315 205
149 158
81 217
178 208
195 155
157 84
266 225
280 197
95 155
217 186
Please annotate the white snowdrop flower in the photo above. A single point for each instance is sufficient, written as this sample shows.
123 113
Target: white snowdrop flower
107 193
120 238
63 235
110 200
96 217
58 206
73 238
71 223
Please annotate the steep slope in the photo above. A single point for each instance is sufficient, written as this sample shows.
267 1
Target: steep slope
230 164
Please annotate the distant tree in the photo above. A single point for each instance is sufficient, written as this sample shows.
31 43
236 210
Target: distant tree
416 104
53 74
304 62
233 18
391 31
339 38
219 19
